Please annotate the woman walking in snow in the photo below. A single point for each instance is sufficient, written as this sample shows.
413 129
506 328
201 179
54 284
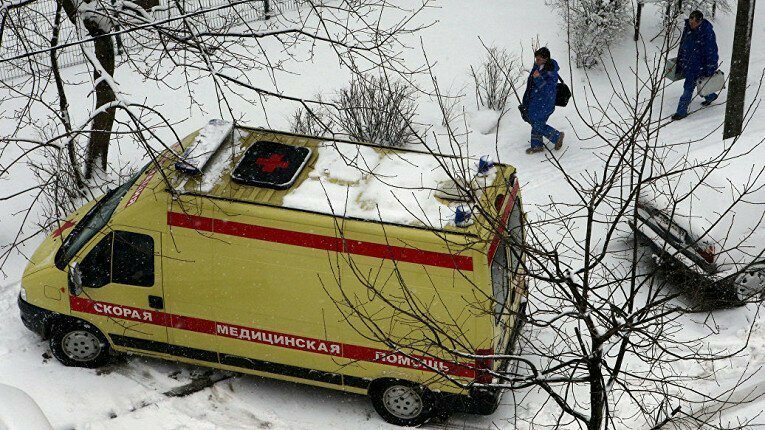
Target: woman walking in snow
539 101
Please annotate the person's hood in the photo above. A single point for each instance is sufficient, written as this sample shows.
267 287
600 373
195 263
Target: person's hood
551 65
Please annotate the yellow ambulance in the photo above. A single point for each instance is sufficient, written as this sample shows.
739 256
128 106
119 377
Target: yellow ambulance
379 271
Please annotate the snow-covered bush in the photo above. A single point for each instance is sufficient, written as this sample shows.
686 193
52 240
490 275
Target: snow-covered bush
707 7
494 78
378 111
593 25
451 108
316 122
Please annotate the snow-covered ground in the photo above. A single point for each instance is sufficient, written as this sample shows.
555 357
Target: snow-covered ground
129 393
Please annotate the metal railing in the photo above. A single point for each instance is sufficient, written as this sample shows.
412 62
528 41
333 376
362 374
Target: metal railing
30 29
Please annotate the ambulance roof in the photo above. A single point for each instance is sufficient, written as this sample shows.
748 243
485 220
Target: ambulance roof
341 178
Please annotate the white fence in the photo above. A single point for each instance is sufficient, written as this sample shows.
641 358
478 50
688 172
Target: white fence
29 29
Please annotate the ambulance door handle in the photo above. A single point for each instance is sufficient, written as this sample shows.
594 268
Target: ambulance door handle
156 302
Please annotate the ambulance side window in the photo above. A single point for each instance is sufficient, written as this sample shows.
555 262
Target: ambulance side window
96 266
515 227
133 259
121 257
499 280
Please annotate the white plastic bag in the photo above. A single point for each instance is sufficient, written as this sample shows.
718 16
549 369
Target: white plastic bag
711 84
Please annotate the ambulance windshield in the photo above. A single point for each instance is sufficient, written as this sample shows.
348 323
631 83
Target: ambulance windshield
93 221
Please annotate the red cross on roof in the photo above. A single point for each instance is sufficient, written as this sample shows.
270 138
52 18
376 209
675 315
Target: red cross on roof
270 164
62 228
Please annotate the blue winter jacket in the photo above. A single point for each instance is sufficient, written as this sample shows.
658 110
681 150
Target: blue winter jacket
697 55
539 98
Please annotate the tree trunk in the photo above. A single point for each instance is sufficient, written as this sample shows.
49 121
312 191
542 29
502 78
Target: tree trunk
739 68
63 101
597 392
98 145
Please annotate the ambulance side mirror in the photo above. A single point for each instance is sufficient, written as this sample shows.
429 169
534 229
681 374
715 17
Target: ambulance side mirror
75 279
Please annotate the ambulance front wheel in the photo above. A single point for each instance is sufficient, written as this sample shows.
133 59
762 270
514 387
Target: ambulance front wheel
79 344
402 402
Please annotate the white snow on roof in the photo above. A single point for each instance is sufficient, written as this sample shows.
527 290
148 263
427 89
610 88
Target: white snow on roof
220 163
204 146
390 186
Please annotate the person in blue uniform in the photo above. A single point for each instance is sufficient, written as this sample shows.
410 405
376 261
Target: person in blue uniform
696 58
539 101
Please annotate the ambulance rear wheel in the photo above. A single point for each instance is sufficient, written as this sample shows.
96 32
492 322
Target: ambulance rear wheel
79 344
402 403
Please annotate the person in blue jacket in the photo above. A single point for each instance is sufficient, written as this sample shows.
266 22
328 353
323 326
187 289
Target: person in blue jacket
696 58
539 101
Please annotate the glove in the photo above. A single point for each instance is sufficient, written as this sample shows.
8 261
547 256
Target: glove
524 113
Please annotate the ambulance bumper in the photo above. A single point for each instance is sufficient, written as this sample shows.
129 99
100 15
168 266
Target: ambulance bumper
34 318
480 401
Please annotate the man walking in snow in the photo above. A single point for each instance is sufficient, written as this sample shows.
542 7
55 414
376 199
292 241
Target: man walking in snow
539 101
696 58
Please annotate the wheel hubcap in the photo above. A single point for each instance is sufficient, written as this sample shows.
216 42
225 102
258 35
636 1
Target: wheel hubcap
402 401
81 345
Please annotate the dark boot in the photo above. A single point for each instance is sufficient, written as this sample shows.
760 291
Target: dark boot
559 142
535 149
709 101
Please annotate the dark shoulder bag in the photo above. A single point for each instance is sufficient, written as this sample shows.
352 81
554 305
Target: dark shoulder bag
562 94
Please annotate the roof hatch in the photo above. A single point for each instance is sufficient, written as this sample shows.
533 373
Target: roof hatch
271 165
210 138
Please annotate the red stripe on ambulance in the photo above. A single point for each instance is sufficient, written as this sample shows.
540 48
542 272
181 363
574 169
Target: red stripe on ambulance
278 339
141 187
265 337
315 241
130 313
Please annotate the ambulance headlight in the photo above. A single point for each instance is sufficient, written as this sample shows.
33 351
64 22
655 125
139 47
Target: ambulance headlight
23 293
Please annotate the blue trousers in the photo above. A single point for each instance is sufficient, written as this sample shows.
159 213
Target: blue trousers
685 100
540 129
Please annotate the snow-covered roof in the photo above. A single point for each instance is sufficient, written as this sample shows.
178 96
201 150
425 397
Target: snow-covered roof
346 179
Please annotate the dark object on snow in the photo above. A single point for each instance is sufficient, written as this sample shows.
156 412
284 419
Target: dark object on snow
562 93
686 256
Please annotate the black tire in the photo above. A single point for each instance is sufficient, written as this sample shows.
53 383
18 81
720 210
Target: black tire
79 344
402 403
